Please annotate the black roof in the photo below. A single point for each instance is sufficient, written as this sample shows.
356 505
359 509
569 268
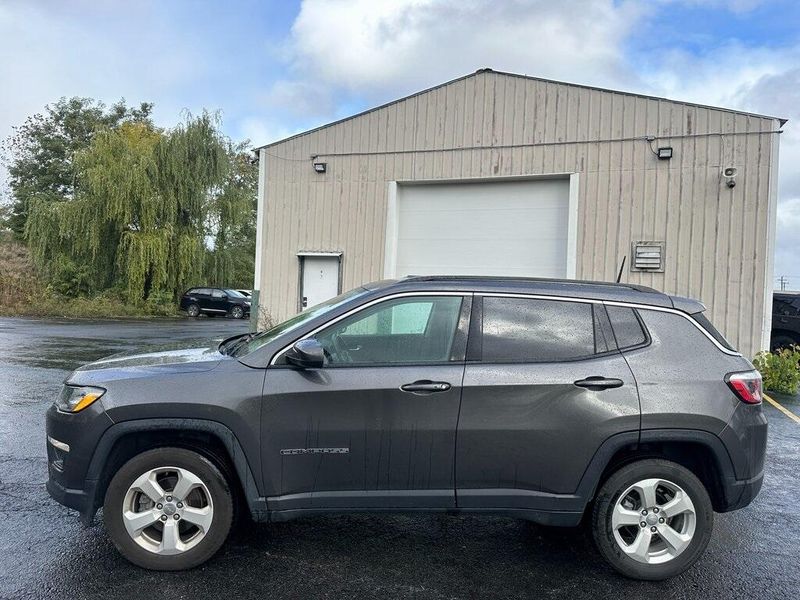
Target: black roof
592 290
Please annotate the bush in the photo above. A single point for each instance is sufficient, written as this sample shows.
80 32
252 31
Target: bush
71 279
780 369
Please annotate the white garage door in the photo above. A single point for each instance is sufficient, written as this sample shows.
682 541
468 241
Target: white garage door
516 228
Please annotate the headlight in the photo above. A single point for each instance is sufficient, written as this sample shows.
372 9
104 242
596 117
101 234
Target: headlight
247 303
75 399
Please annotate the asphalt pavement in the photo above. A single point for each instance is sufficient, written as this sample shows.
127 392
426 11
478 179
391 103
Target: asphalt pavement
46 553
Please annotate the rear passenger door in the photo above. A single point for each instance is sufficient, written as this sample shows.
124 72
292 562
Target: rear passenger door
218 302
544 387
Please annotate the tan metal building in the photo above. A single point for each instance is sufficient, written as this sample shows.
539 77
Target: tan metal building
496 173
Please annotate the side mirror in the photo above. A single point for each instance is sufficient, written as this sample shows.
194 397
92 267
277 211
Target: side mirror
306 354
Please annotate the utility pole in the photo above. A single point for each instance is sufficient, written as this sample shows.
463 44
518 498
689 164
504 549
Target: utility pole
783 281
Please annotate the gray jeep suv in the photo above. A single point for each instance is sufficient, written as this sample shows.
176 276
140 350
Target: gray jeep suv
560 402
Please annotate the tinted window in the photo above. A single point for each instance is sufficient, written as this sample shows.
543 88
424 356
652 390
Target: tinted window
202 291
529 330
785 306
706 324
235 294
299 320
217 294
404 330
627 328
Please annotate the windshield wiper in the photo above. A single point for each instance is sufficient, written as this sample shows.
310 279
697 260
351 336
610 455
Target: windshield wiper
230 345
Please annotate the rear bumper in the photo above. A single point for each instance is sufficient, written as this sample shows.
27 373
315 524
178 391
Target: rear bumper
741 492
745 439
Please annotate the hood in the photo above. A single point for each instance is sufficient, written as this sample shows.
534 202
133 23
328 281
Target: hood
160 360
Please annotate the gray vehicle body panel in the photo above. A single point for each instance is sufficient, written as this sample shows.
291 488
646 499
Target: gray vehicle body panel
515 438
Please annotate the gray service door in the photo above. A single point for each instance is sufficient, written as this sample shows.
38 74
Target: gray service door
348 435
527 432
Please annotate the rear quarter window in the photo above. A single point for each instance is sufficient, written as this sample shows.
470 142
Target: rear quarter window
703 321
628 329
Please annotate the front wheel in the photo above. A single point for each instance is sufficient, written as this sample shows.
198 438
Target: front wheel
652 519
237 312
193 310
168 509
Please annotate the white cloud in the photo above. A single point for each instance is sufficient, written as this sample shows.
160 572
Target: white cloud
764 80
379 49
383 49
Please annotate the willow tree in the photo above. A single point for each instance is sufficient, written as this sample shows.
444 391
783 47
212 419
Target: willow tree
138 220
231 223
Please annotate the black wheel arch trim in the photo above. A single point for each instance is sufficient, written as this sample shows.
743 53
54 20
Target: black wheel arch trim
587 488
255 502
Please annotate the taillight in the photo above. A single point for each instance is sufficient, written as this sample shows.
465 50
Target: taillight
746 386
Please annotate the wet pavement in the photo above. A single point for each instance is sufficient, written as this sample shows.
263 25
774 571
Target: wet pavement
46 553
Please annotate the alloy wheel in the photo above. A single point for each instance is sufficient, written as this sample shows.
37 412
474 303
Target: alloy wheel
193 310
653 521
167 510
237 312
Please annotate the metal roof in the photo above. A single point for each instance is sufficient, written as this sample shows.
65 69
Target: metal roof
781 120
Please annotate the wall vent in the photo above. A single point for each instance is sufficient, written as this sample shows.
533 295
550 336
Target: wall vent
648 256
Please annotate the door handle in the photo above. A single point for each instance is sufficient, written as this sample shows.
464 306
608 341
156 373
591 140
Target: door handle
425 386
596 383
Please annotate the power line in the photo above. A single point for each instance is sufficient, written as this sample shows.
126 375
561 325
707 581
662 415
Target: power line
645 138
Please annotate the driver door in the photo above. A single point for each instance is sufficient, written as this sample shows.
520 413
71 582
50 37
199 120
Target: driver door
375 427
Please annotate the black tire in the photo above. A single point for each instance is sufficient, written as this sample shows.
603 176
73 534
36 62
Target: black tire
193 310
209 474
610 493
237 312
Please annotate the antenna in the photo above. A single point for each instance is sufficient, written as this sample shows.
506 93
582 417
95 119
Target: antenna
621 266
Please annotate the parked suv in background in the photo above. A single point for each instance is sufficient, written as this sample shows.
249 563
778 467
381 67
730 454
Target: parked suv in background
215 301
785 319
546 400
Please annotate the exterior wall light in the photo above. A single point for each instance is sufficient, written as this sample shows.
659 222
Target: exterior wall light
664 153
320 167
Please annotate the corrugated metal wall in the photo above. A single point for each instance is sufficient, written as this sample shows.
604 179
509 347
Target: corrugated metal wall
716 238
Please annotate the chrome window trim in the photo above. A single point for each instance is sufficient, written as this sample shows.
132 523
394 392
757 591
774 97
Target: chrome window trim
516 295
682 314
358 309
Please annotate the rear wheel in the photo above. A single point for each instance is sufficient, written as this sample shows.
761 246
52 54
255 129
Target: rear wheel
652 519
168 509
193 310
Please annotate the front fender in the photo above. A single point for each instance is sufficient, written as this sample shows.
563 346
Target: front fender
244 466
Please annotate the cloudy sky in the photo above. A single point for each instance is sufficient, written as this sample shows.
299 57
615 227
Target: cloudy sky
275 68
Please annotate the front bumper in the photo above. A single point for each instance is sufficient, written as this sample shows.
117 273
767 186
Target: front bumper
67 470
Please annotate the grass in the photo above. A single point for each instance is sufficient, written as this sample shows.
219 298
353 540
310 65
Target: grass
22 294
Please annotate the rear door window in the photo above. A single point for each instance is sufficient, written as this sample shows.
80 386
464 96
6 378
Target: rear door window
534 330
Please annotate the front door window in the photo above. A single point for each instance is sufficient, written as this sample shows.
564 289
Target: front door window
413 330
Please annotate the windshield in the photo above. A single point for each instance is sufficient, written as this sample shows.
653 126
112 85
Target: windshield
235 294
297 321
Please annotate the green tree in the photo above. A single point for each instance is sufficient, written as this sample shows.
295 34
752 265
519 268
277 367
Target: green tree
231 224
141 208
41 153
